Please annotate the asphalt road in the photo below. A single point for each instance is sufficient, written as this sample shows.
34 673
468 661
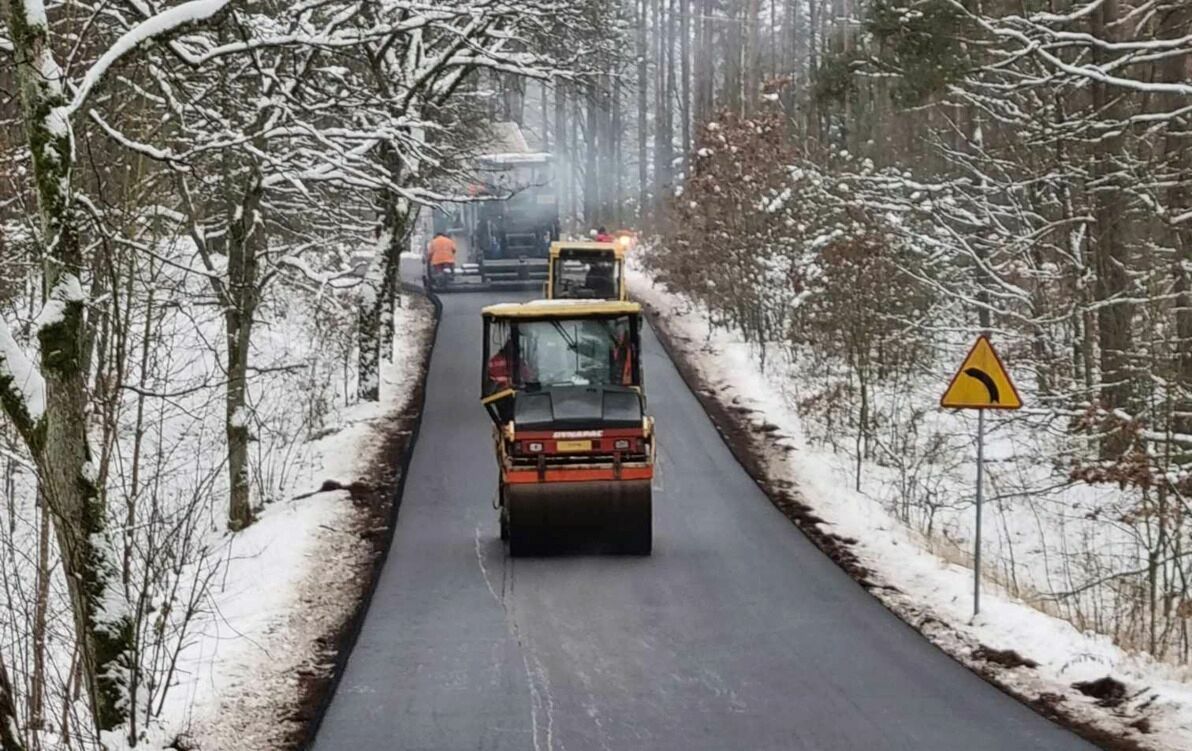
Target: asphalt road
736 634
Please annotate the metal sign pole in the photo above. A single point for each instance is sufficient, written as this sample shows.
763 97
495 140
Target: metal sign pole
982 382
980 486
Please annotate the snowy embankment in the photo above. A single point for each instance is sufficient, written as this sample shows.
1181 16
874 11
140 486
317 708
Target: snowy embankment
235 633
919 577
288 583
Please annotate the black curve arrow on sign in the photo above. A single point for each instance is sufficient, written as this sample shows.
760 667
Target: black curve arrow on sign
984 378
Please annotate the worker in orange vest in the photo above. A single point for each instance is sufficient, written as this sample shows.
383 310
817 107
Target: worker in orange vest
442 253
499 370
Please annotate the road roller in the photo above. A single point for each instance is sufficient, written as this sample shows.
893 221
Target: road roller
562 382
587 271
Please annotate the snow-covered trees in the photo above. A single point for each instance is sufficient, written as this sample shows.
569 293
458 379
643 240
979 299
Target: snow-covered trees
734 239
1022 169
48 403
421 82
781 249
186 179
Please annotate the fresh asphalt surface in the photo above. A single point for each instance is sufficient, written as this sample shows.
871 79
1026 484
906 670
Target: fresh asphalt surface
736 634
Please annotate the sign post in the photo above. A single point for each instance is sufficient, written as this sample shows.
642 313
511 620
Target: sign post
980 492
980 383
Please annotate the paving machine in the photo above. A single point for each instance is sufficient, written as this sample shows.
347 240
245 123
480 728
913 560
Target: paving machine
586 271
562 381
503 234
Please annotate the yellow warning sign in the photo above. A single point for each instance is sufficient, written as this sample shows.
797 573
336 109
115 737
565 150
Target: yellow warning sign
981 382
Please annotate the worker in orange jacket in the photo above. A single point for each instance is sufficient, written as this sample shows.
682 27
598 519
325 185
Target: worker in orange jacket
442 253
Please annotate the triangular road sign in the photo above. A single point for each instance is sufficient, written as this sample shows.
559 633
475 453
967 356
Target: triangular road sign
981 382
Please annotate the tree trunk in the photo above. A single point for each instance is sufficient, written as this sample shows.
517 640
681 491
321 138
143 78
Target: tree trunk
368 337
513 99
243 241
368 330
659 101
814 41
733 84
697 83
576 187
643 108
1174 69
685 74
708 61
752 60
138 438
616 148
562 176
40 611
57 439
1110 253
591 162
402 226
663 130
798 42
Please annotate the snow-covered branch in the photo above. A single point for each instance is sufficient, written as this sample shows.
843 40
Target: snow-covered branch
166 22
22 388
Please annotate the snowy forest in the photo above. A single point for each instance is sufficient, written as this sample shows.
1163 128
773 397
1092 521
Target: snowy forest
204 204
858 188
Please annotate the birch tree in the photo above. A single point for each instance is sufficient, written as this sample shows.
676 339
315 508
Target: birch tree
46 399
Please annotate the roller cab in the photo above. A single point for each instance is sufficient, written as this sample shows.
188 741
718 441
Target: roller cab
587 271
562 382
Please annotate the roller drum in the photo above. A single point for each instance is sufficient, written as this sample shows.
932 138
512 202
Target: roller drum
546 518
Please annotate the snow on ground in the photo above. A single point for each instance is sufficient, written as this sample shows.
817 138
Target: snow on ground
291 577
229 625
931 592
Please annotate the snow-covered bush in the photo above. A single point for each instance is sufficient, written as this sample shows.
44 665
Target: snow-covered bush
778 249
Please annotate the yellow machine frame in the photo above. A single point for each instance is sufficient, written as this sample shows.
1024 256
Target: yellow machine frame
617 249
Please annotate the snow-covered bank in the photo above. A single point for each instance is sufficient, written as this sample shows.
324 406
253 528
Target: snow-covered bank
288 583
931 591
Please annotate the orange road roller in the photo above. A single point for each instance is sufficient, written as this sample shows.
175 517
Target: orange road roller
562 381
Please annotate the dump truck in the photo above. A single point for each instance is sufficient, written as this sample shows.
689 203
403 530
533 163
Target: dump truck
562 382
586 271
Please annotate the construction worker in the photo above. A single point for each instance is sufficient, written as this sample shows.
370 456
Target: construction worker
499 370
440 259
621 359
498 367
602 236
442 253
